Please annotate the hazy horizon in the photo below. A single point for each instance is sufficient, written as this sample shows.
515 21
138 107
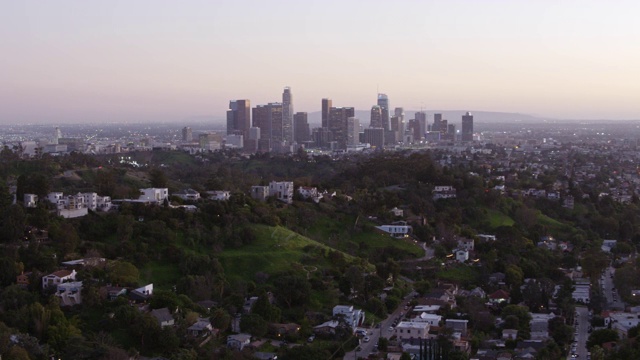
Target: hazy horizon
145 61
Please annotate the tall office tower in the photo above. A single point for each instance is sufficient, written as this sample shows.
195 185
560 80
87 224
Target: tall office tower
239 117
451 129
322 137
353 131
467 127
301 127
57 134
269 119
326 106
383 102
413 127
187 134
402 126
338 124
376 117
374 137
421 119
396 129
437 120
444 126
251 144
287 115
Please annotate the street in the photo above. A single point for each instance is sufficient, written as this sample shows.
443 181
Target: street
375 333
581 334
614 302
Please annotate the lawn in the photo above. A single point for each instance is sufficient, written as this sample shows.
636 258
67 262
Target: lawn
460 274
498 219
276 249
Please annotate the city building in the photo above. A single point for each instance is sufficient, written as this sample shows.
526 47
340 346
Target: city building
467 127
187 134
353 131
301 127
239 117
326 105
383 102
374 137
376 117
287 116
322 137
421 120
437 123
269 118
338 117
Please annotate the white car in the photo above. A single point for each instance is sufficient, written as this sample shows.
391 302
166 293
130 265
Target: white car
366 339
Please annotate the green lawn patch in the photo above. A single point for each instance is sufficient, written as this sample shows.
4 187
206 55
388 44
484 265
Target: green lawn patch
498 219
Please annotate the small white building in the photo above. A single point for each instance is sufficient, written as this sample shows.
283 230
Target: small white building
30 200
353 317
260 193
188 195
70 293
282 190
154 195
408 330
444 192
58 277
399 229
219 195
462 255
310 193
238 341
431 319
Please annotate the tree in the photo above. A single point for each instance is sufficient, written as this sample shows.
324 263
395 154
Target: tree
601 336
293 290
263 307
158 178
122 272
254 324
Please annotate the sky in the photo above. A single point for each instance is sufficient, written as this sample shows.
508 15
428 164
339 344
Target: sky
92 61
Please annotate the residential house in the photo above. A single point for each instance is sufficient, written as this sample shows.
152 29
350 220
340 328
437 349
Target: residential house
219 195
260 193
398 229
431 319
397 212
188 195
282 190
328 327
30 200
406 330
498 297
457 325
444 192
70 293
509 334
310 193
352 317
163 316
462 255
466 244
112 292
201 328
58 277
154 195
238 341
23 280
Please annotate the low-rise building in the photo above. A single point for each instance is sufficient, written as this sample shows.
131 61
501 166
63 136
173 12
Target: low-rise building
407 330
238 341
352 317
70 293
58 277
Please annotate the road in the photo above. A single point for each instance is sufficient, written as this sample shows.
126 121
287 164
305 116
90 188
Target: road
613 299
581 334
374 334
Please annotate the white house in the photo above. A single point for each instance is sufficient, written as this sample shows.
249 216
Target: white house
444 192
154 195
58 277
188 195
407 330
310 193
70 293
163 316
238 341
282 190
431 319
202 327
30 200
398 229
462 255
260 193
219 195
467 244
353 317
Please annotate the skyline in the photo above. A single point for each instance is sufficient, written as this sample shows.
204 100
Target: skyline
75 62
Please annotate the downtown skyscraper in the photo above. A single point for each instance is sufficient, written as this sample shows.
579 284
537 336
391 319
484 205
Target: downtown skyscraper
467 127
383 102
239 118
326 106
287 116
